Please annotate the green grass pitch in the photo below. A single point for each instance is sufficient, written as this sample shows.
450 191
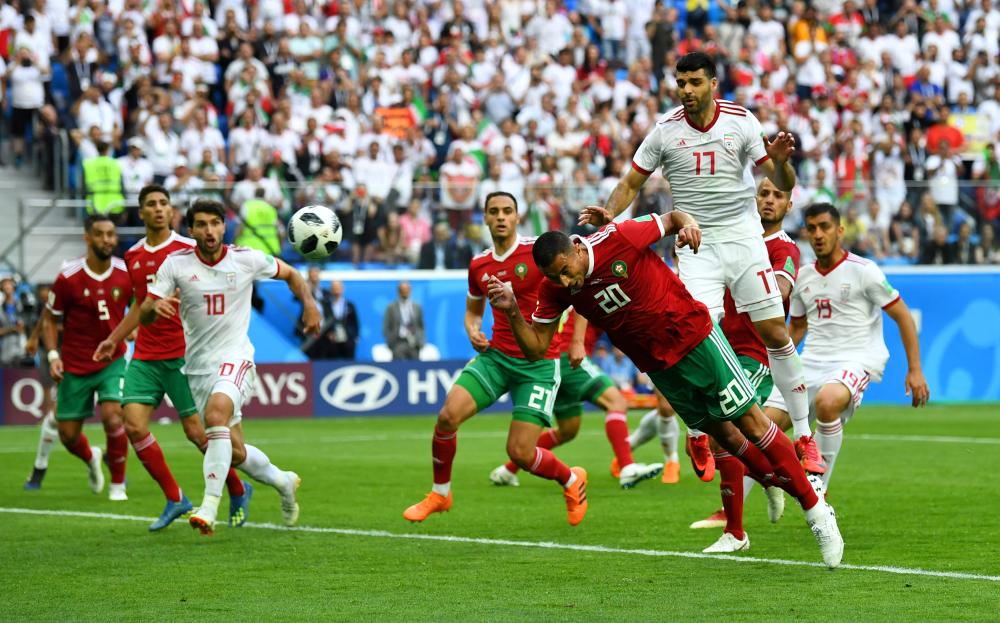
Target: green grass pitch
914 490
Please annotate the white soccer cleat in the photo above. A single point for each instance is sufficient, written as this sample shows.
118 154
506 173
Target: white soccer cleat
289 505
775 503
637 472
94 472
824 528
816 482
727 544
116 493
503 477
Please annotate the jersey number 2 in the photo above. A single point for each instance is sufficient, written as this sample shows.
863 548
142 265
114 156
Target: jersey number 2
215 304
709 157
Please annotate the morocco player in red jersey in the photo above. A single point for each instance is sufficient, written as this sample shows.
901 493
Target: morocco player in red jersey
618 283
501 368
156 366
90 295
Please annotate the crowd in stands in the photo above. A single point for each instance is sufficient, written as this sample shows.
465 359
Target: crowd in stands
402 114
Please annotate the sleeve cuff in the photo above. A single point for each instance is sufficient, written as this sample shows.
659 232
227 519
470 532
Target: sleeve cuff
473 297
544 320
892 302
757 163
659 223
640 169
153 295
781 273
54 312
794 317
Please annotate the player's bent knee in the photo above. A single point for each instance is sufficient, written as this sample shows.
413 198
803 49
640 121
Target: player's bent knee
830 403
239 454
568 429
522 454
136 429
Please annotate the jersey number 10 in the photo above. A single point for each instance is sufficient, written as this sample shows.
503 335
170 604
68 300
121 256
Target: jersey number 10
215 304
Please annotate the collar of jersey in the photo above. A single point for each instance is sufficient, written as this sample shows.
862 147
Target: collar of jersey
151 249
95 276
225 251
510 251
824 272
590 252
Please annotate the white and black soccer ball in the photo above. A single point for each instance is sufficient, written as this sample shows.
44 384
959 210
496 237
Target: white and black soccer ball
315 232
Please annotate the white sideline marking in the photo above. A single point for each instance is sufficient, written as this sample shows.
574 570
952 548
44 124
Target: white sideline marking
594 549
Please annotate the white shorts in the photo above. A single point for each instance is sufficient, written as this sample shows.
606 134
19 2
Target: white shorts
740 265
235 379
853 376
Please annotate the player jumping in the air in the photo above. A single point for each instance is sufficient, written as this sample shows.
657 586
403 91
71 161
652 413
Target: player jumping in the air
704 149
618 283
215 282
839 299
582 380
155 368
500 367
90 294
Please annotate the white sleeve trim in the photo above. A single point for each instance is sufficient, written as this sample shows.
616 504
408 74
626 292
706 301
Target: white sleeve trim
474 297
544 320
659 222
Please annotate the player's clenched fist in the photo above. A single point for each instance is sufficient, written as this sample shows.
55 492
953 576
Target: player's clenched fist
501 296
310 319
689 236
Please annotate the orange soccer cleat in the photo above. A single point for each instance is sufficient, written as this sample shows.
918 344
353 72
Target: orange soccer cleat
808 453
671 473
702 459
576 497
432 503
616 470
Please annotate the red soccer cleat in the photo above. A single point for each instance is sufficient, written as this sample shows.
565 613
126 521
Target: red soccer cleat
702 459
808 453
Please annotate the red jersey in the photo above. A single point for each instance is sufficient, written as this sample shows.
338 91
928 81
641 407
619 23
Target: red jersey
91 305
630 293
517 268
164 339
565 335
738 329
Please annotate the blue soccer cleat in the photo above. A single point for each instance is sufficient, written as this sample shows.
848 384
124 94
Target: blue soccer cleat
34 483
172 511
239 507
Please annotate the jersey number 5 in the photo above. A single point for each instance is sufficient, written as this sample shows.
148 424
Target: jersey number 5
709 157
103 313
612 298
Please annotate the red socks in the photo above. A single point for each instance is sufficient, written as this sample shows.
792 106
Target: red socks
443 449
117 454
547 466
547 440
233 484
731 471
81 448
788 472
151 456
616 428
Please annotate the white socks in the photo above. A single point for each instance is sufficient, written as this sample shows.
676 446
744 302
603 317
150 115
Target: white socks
260 468
829 438
442 489
670 432
218 456
645 431
789 378
47 437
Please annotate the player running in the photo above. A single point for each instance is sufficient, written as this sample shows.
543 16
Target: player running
214 283
661 422
499 368
582 380
90 294
839 299
614 280
155 368
704 149
48 432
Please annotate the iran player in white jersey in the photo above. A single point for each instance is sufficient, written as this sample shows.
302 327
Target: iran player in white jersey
839 299
213 284
705 148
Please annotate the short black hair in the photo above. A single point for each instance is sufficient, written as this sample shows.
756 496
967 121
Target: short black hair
88 223
548 246
205 206
694 61
149 189
823 208
499 193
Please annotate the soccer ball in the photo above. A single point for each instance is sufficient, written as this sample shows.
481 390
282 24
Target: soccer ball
315 232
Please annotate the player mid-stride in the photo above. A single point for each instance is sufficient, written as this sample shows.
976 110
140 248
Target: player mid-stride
617 282
213 284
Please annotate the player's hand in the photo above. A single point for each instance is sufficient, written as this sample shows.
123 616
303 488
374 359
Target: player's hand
56 370
105 351
577 353
31 346
595 215
916 388
310 320
501 295
781 149
166 308
479 342
689 236
134 335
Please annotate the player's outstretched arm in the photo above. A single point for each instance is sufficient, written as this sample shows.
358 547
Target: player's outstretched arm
474 310
577 348
916 384
777 167
153 308
684 225
534 338
106 349
300 288
621 198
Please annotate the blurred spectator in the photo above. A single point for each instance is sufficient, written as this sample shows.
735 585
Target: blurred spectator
988 250
12 325
964 249
390 240
986 171
260 227
943 171
875 224
904 233
403 326
136 170
442 251
362 215
102 179
416 231
27 96
620 369
937 250
338 336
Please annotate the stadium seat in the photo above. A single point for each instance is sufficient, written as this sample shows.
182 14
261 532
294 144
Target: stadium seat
381 353
430 352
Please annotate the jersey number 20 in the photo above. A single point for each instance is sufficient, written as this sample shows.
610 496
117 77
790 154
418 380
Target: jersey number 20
612 298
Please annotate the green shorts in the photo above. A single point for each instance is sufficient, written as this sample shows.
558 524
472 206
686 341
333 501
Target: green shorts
578 384
533 385
75 399
708 383
147 381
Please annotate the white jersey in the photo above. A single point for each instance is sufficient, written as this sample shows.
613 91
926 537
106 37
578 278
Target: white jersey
843 306
709 168
215 302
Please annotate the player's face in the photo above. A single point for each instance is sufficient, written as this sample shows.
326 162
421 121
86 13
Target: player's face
695 89
772 204
156 211
207 230
568 269
501 217
102 239
824 234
